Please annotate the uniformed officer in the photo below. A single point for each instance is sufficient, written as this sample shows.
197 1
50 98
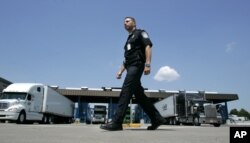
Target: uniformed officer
137 61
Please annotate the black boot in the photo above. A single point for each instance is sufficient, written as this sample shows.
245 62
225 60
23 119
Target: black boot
112 126
156 124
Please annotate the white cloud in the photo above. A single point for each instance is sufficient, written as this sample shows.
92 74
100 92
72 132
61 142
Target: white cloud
166 73
231 46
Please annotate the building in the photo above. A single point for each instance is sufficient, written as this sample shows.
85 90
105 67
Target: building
111 95
3 84
84 95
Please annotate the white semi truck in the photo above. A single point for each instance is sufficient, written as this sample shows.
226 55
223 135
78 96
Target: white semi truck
189 108
99 115
23 102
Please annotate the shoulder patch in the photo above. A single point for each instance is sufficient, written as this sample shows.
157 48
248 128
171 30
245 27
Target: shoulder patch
144 35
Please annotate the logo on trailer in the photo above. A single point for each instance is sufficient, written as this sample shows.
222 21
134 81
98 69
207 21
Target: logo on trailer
165 107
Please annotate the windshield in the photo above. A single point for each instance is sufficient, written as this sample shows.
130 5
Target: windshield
10 95
99 112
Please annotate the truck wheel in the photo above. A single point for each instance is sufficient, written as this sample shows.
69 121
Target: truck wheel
50 120
196 121
217 125
171 121
45 119
70 120
174 121
88 122
177 122
21 118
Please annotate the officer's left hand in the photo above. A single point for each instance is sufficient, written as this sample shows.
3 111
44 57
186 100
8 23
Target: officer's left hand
146 70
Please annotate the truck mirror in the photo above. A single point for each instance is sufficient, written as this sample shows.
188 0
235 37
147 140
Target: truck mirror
38 89
29 97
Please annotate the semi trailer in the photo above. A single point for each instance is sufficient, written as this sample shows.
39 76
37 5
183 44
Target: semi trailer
189 108
21 102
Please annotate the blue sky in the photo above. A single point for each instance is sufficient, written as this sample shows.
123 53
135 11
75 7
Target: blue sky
198 44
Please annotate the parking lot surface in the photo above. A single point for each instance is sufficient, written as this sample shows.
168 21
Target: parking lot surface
77 133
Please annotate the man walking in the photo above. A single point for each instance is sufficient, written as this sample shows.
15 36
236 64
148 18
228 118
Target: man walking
137 61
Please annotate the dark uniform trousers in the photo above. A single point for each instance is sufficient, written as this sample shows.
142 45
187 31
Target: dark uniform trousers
132 86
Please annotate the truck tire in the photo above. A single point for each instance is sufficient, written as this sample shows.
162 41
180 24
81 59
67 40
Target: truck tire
45 119
170 121
21 118
88 122
70 120
175 122
50 119
217 125
196 121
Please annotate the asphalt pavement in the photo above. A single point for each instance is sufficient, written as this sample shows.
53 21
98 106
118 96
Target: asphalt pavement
77 133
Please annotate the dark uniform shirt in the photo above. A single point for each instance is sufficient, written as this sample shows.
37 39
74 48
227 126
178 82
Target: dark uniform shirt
135 47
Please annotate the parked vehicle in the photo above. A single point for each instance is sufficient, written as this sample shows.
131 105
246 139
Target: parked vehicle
189 108
23 102
127 119
99 114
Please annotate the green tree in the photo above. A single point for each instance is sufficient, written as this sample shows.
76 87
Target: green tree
234 111
244 113
241 113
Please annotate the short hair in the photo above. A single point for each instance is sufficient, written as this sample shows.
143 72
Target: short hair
132 18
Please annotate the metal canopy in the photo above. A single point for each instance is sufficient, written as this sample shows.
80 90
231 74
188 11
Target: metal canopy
153 94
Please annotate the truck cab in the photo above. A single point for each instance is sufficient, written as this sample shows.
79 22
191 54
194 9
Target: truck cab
99 114
203 112
19 103
23 102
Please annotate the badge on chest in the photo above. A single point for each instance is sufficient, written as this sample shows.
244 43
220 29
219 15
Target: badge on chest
128 46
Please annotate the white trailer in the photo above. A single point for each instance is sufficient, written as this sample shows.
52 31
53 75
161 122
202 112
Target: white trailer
167 109
23 102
